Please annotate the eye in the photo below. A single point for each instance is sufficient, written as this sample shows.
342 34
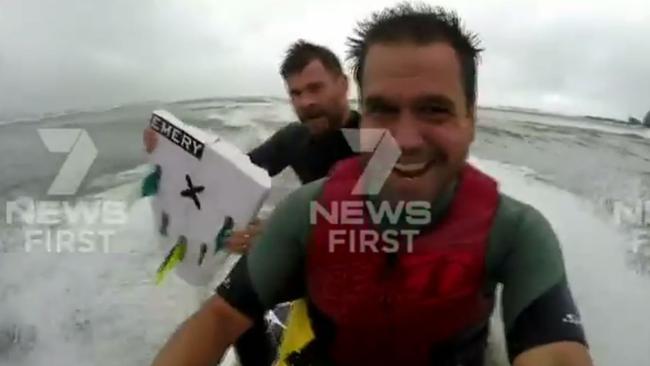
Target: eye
433 110
315 88
381 110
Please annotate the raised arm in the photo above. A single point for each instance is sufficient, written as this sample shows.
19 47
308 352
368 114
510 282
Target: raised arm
203 339
274 154
549 332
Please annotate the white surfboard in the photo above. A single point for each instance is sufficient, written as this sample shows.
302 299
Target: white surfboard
207 187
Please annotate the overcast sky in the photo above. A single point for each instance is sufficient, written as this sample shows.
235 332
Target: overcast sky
583 57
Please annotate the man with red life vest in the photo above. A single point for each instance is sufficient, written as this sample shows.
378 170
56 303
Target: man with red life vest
428 302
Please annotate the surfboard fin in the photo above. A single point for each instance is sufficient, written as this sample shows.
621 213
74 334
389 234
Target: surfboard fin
175 256
224 234
204 249
151 182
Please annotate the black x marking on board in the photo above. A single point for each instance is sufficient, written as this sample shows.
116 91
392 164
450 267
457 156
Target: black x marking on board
192 191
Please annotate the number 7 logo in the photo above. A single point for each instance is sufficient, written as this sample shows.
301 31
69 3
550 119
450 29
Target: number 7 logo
82 153
385 153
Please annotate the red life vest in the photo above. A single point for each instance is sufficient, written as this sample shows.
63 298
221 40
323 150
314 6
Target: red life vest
395 315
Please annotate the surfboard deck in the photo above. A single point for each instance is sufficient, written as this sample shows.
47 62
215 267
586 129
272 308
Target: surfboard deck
207 187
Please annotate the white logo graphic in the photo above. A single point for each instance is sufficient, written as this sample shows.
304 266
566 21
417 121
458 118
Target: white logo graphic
82 154
385 153
627 213
571 319
62 226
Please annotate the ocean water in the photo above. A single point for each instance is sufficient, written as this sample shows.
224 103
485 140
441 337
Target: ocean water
101 307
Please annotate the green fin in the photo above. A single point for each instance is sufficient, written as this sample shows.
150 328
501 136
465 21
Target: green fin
150 183
224 234
175 256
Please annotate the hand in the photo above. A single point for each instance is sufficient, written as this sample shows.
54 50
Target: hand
241 240
150 139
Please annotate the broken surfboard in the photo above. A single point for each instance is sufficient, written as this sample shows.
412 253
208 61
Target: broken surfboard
206 187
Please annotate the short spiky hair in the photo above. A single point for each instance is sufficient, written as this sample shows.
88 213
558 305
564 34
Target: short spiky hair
420 24
302 53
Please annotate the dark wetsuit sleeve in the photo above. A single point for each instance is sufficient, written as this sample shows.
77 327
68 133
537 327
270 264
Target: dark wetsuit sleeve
538 307
273 270
553 317
274 154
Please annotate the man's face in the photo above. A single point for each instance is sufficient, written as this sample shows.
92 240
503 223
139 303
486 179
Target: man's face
416 93
319 97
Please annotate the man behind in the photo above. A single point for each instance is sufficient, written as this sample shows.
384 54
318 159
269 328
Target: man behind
429 302
318 89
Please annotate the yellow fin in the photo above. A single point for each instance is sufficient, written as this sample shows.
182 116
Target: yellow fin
174 257
298 332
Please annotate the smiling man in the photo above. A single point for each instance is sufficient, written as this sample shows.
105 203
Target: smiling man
428 303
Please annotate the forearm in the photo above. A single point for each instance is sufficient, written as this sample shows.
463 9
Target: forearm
273 154
203 339
555 354
270 160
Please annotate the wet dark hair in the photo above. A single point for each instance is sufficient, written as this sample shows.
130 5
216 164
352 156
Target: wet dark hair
421 24
302 53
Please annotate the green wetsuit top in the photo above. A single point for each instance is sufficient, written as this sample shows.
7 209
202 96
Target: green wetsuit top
523 255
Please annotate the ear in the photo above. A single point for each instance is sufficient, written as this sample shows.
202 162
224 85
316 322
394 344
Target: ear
345 84
471 116
470 122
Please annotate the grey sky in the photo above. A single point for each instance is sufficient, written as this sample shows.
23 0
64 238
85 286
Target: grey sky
576 58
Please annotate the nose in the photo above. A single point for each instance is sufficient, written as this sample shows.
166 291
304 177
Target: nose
304 101
407 134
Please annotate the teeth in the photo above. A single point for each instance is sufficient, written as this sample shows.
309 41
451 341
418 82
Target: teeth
413 167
